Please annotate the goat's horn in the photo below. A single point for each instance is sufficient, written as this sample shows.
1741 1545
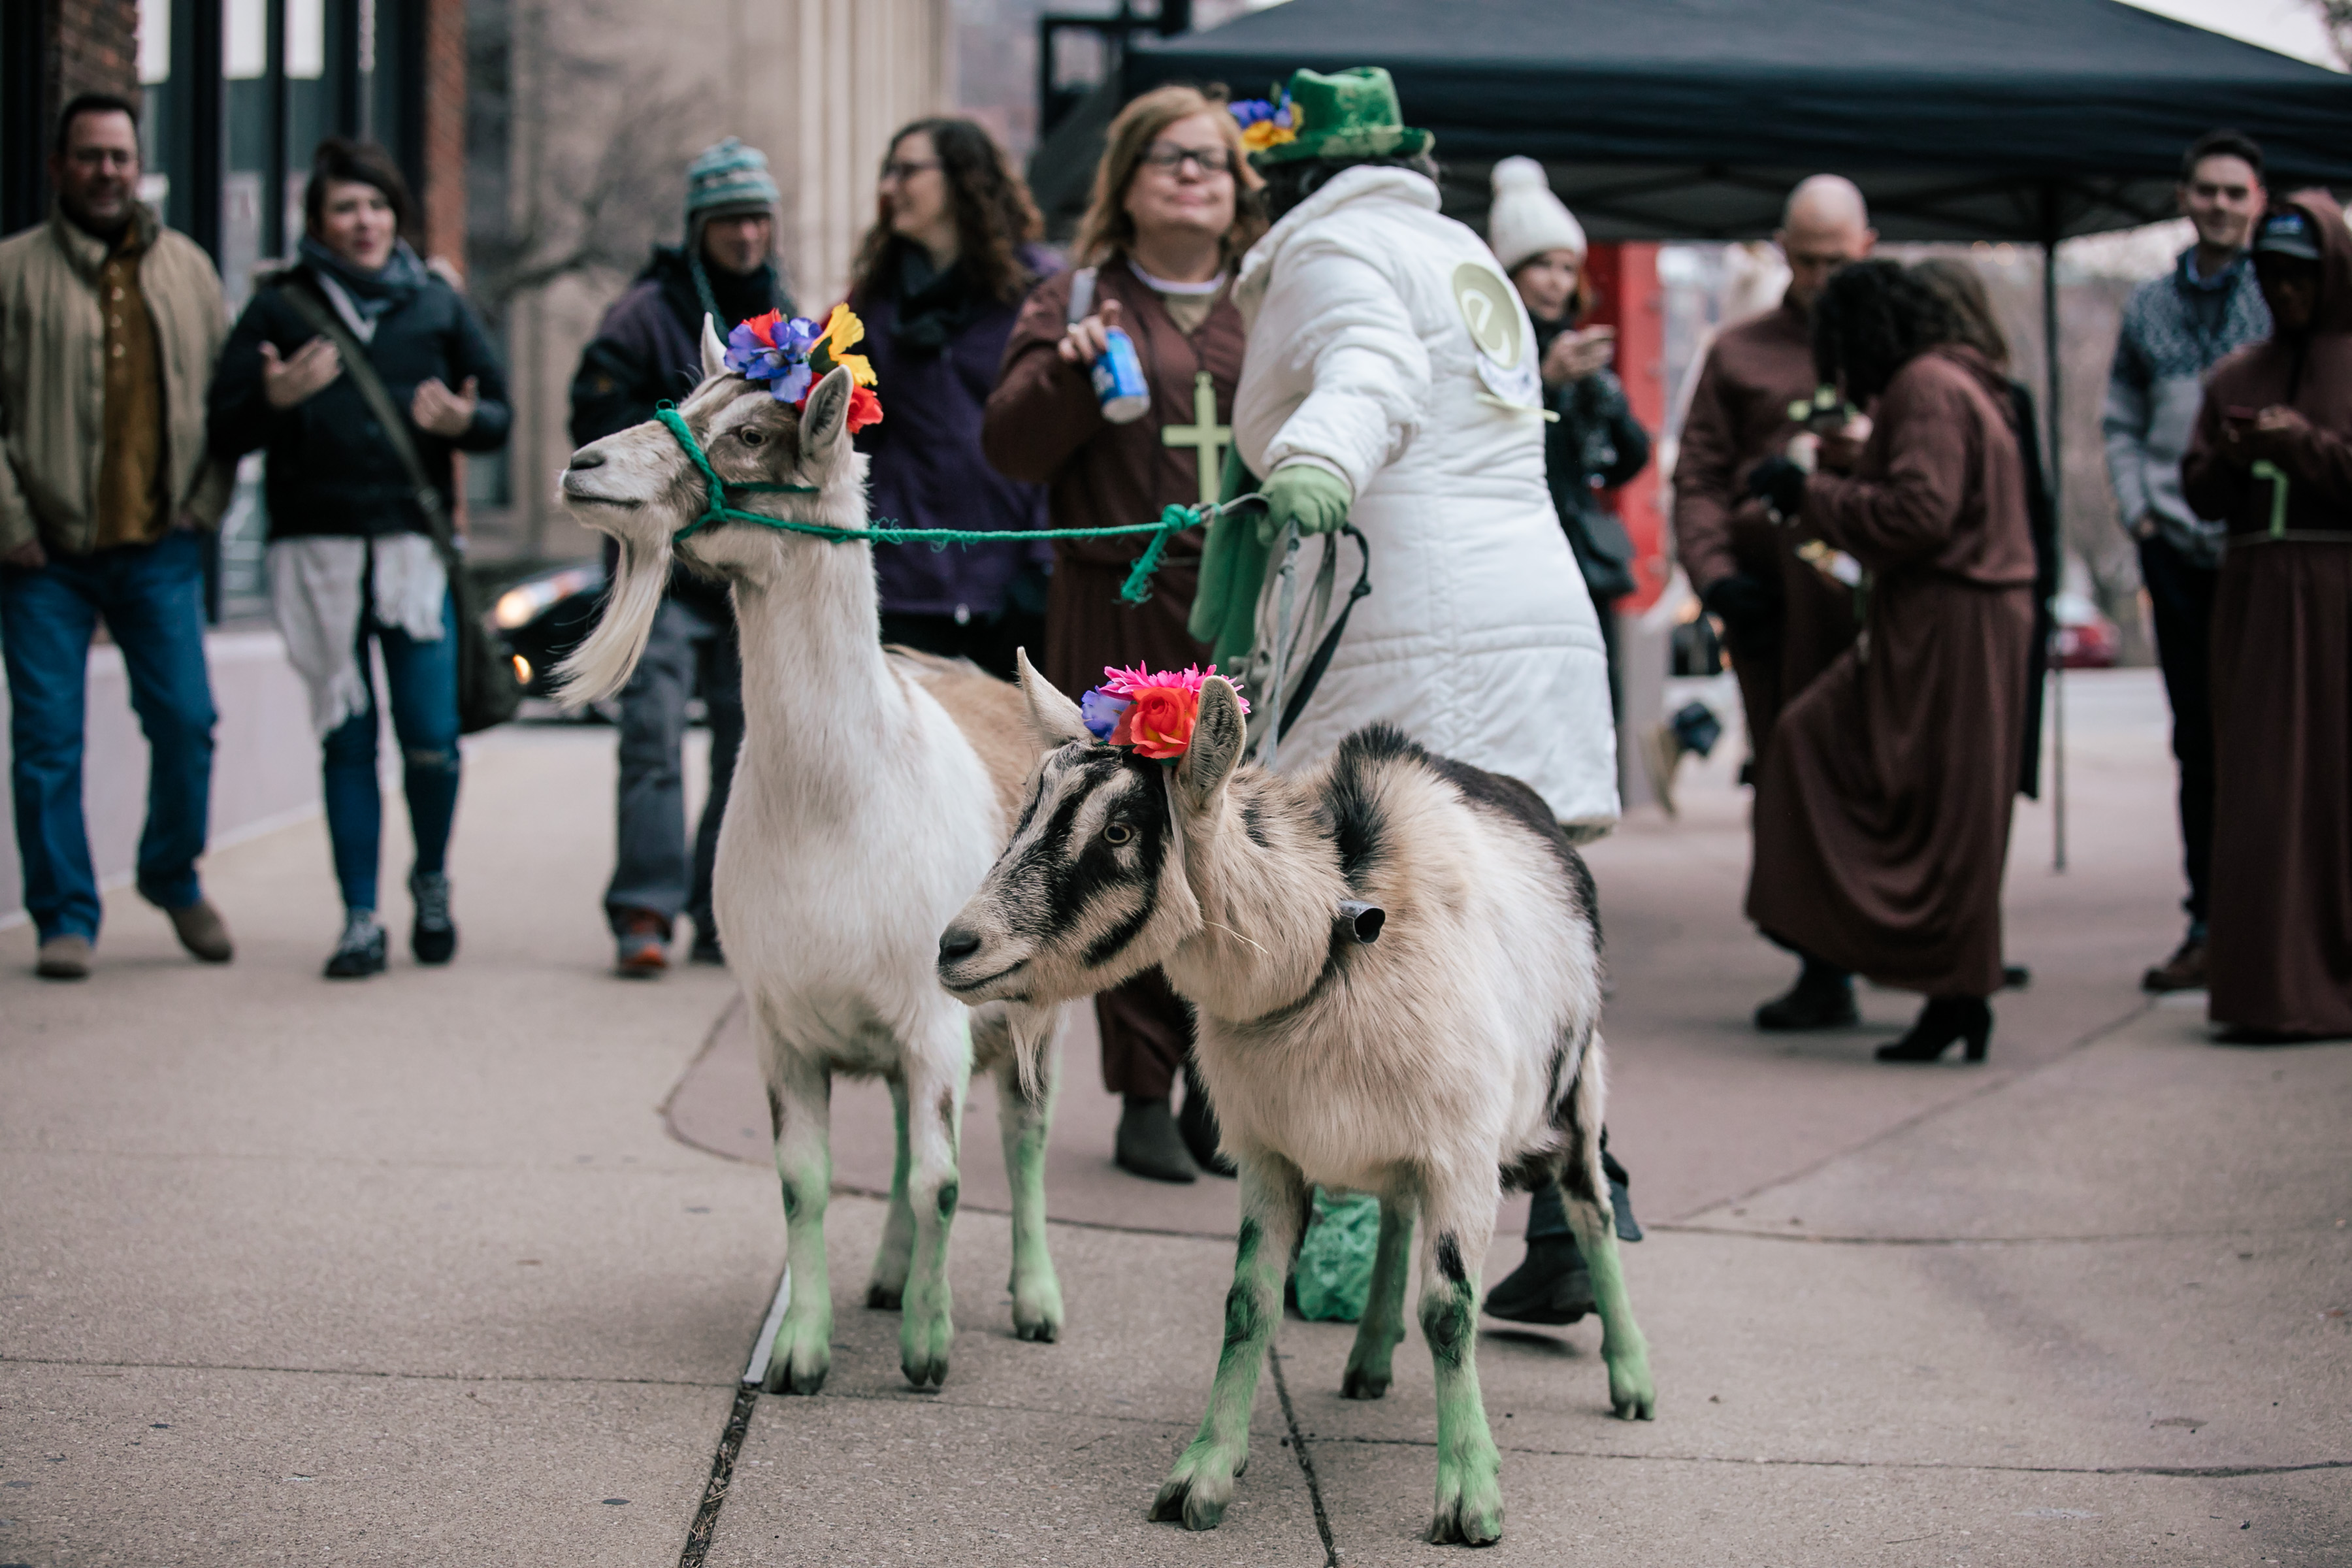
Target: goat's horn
1363 921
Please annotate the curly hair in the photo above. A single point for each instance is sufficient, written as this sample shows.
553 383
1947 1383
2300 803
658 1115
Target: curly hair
1107 228
1873 319
1964 294
1291 182
994 215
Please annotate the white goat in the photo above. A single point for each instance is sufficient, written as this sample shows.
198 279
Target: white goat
1458 1052
872 790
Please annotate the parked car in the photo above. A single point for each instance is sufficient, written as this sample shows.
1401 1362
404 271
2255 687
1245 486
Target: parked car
543 616
2083 637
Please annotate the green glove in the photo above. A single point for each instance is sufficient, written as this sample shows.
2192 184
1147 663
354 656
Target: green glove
1314 498
1233 570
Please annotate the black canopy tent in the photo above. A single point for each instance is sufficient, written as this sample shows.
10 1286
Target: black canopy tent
2020 119
1997 120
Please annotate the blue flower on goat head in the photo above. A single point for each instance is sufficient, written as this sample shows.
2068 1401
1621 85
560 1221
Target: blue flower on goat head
1100 711
774 349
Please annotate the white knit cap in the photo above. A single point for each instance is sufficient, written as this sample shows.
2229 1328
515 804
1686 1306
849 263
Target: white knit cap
1526 219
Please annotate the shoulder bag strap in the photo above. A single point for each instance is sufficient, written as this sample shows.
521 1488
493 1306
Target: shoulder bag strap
321 316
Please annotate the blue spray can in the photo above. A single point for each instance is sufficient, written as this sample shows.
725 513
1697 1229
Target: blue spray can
1117 375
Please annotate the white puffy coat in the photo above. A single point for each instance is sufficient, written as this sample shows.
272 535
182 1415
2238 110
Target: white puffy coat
1478 638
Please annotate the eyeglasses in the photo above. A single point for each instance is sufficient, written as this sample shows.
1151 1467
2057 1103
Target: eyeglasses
906 168
1208 160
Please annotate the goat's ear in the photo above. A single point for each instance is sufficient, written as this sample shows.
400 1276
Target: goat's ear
714 352
825 421
1218 734
1053 718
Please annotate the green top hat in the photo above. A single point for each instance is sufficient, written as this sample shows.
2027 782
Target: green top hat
1351 114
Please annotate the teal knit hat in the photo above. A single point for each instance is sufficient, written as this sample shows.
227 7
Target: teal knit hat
729 175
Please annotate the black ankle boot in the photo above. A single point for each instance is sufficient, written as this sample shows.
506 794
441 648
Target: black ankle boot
1551 1286
1822 998
1943 1021
1148 1144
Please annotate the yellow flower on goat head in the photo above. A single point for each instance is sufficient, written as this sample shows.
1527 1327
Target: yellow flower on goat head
843 330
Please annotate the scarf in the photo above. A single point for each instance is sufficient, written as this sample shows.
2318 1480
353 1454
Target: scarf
368 294
933 306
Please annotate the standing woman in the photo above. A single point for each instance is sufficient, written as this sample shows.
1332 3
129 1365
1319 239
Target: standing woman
939 281
1888 783
1173 210
2272 458
1597 444
351 557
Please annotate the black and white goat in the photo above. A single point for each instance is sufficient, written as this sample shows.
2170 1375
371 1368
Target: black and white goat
1456 1054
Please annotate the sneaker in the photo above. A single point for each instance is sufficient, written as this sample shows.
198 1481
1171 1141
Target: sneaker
1551 1286
706 948
359 952
64 957
644 945
434 936
2184 971
1148 1144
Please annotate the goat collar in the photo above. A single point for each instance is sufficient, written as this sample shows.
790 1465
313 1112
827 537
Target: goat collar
715 508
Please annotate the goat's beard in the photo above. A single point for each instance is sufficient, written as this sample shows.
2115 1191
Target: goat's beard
1031 1028
601 665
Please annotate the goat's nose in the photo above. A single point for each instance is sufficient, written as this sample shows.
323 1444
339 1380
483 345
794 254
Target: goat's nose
958 943
587 457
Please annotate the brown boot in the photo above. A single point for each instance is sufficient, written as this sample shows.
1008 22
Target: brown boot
202 932
2184 971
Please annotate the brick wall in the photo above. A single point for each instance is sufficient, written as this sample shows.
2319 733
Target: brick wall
93 48
444 130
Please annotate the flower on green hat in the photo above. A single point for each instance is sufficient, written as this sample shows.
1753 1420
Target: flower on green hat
1351 113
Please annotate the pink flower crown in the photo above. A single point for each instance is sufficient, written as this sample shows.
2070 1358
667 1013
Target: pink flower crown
1151 714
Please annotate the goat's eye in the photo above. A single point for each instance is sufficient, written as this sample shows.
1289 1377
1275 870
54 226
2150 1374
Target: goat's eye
1118 833
752 438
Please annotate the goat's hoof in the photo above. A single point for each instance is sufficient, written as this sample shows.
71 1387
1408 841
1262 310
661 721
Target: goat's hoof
1199 1488
885 1298
1635 1407
1469 1507
1044 1332
1461 1528
1362 1383
799 1358
782 1378
1037 1312
923 1341
1632 1396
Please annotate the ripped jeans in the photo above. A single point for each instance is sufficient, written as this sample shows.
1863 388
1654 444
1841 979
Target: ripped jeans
420 680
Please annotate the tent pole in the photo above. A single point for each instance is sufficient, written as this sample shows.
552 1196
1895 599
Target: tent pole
2055 418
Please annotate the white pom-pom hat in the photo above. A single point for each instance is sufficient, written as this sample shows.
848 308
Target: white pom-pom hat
1526 219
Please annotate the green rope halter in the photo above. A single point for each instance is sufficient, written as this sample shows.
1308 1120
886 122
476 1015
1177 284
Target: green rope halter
1174 520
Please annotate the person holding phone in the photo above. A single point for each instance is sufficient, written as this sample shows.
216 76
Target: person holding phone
1597 444
1174 207
2271 460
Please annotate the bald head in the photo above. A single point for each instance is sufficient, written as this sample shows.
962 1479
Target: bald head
1825 225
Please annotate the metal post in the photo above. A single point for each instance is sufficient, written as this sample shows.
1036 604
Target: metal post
2053 411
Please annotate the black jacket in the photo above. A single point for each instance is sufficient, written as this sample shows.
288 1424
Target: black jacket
1597 445
330 469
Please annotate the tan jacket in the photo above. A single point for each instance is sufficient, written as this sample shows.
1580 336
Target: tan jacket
53 378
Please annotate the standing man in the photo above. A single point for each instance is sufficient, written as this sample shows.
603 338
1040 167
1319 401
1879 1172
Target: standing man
1783 621
2174 328
110 324
650 349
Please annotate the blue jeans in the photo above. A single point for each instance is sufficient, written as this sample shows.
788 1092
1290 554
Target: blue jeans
151 596
421 679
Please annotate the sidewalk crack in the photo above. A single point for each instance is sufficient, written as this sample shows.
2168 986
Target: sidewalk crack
1306 1463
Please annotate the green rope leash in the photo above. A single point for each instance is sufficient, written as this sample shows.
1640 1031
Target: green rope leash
1137 589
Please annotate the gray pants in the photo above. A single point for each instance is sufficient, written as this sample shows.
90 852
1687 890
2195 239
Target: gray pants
652 871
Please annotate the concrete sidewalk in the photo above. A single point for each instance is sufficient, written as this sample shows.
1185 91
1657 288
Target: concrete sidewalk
415 1272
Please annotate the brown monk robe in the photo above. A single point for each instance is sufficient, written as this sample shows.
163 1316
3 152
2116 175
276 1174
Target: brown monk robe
1883 807
1044 423
2279 959
1739 417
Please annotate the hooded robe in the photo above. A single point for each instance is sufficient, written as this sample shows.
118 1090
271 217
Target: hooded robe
1883 803
2278 954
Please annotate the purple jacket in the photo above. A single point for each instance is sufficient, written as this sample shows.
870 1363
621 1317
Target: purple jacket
928 470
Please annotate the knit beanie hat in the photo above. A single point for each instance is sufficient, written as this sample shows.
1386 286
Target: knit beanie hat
1526 219
728 176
